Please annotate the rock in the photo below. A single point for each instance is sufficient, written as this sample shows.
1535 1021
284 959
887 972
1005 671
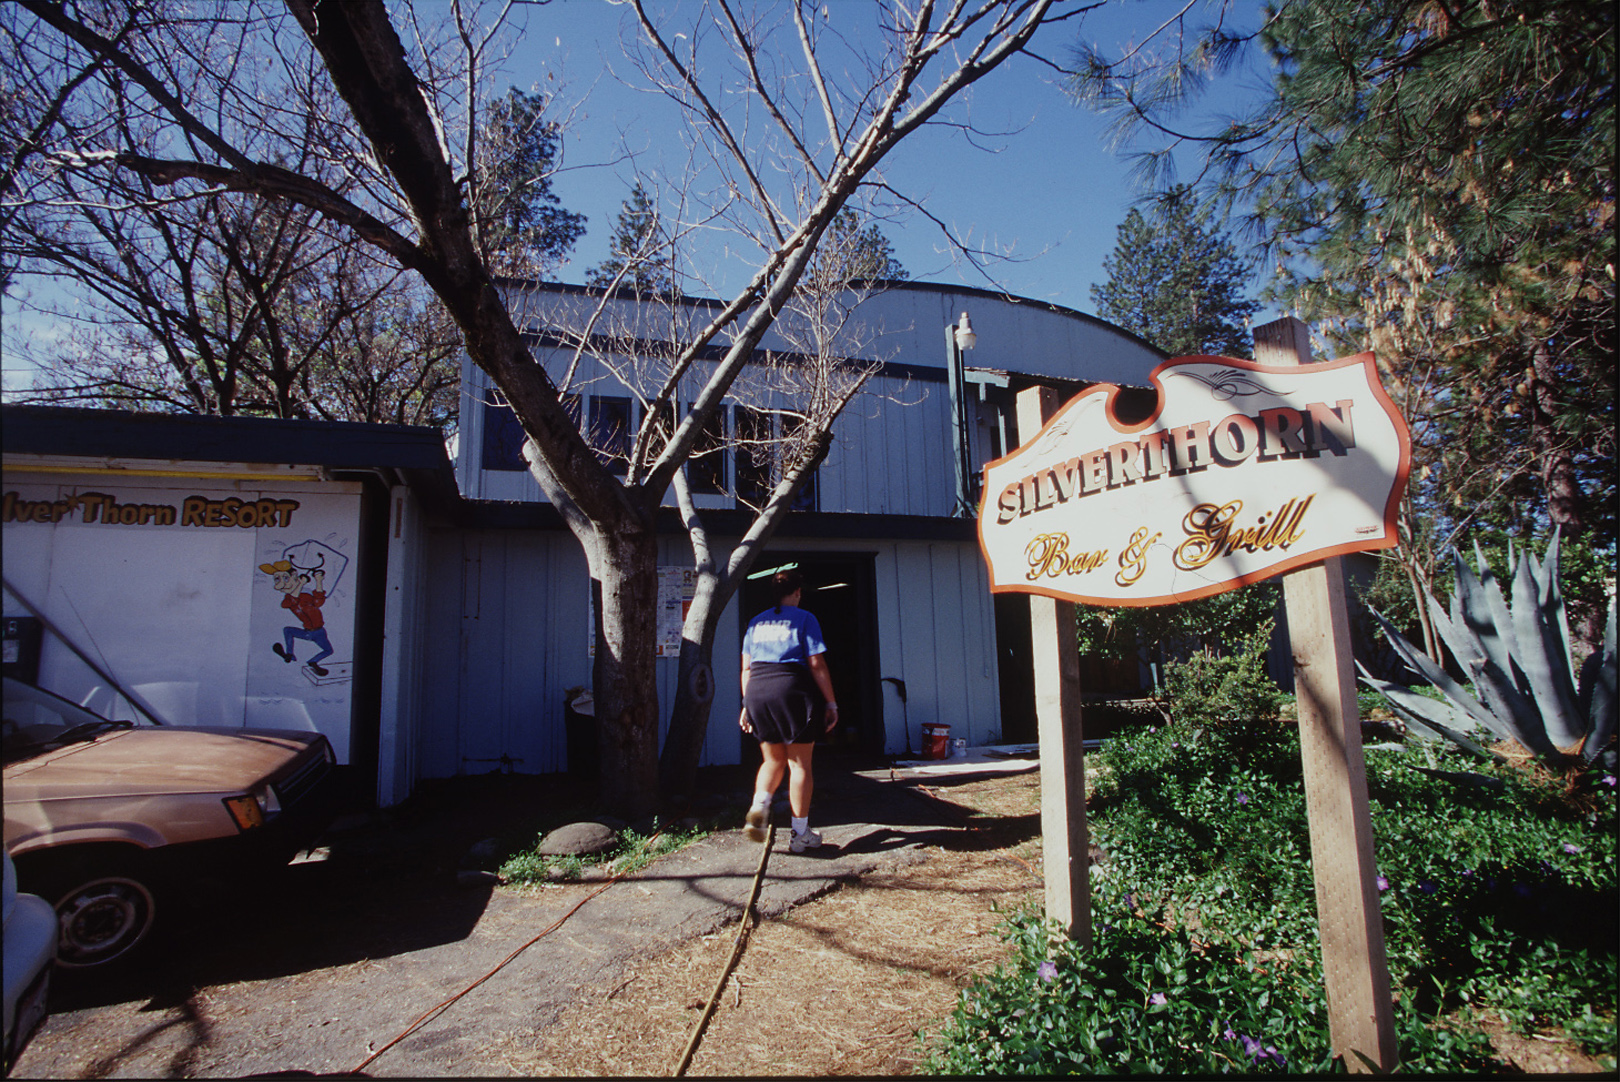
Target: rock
578 840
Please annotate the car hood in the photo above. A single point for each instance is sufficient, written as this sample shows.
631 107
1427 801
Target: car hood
139 762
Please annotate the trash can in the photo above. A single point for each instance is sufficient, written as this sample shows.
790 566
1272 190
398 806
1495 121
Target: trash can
579 720
936 740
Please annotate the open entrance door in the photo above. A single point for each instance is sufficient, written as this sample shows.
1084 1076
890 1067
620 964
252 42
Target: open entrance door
840 590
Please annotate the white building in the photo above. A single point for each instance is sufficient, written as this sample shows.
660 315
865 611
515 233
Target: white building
463 620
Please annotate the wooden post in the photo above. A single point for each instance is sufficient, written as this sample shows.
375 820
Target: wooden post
1350 924
1065 850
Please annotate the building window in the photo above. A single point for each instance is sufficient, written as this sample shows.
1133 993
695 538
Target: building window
503 437
760 447
707 469
609 433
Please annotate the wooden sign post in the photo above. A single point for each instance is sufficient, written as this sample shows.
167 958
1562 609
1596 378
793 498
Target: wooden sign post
1350 923
1245 470
1065 848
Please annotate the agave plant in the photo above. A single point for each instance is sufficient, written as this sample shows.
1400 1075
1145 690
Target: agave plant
1518 661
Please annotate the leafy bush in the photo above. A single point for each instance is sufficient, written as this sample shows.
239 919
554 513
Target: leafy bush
1144 999
1231 695
1499 897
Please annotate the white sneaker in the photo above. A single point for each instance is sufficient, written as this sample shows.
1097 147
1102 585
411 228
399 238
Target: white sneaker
802 840
758 818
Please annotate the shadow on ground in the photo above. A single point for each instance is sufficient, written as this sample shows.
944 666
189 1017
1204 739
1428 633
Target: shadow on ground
392 882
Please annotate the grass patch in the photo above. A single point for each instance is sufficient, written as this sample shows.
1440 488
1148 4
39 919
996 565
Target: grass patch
633 852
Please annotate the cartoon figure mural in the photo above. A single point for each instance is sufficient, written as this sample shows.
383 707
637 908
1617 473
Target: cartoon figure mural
300 577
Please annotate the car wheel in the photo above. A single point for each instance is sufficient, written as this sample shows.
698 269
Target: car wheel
105 909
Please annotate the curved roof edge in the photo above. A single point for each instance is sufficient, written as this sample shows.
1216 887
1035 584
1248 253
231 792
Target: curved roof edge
882 284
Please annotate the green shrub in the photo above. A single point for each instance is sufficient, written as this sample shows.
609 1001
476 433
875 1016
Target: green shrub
1229 695
1146 1000
1497 893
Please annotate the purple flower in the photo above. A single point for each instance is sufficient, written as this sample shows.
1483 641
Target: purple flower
1260 1053
1608 779
1047 972
1568 848
1383 884
1468 873
1227 1034
1243 798
1158 999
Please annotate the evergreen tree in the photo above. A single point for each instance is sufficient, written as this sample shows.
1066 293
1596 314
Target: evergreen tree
1436 182
639 248
1177 281
521 225
853 252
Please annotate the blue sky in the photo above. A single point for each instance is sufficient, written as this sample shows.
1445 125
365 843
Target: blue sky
1052 190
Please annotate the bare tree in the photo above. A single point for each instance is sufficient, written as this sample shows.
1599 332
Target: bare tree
241 303
409 201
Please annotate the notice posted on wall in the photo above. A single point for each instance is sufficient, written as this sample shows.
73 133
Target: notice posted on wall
676 588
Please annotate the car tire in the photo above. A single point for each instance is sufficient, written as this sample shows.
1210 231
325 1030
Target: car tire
105 905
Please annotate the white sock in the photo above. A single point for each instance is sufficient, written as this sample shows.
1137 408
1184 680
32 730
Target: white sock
762 800
801 823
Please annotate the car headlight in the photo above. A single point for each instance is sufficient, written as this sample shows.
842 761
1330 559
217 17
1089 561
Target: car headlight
253 809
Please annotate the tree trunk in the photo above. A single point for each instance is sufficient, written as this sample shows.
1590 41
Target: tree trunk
694 691
624 586
1558 480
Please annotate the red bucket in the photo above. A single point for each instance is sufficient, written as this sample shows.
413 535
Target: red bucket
936 740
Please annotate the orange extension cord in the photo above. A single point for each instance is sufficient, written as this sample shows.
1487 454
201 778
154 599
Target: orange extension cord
434 1012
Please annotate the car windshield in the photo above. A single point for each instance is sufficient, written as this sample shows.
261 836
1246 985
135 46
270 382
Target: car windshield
37 721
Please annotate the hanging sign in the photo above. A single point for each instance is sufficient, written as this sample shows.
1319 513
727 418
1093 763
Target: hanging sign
1244 471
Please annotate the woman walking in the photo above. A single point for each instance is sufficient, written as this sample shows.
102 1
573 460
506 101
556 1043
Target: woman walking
787 703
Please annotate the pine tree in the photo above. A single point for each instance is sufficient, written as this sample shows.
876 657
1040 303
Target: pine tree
1178 282
522 226
639 248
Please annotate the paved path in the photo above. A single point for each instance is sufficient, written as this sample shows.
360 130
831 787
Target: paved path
331 982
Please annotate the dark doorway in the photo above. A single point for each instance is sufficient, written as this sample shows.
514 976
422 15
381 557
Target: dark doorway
840 589
1014 663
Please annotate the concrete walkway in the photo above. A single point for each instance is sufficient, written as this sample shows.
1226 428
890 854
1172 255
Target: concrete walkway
330 984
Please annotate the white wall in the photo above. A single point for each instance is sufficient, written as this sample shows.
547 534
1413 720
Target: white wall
179 612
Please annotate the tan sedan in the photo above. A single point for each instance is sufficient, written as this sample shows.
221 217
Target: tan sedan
103 817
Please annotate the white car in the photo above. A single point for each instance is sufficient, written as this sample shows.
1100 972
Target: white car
30 949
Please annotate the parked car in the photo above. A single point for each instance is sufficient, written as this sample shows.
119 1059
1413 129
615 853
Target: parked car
30 939
104 817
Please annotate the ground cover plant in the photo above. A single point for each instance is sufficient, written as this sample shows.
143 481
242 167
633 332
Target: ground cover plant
1498 888
632 852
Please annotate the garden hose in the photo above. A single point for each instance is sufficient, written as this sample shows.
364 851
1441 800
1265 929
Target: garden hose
731 963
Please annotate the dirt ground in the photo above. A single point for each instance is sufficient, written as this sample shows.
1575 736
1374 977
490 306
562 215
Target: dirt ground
841 986
845 984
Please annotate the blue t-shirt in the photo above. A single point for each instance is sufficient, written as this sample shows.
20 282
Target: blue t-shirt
788 634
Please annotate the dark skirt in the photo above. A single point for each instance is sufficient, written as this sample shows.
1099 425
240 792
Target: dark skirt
783 703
